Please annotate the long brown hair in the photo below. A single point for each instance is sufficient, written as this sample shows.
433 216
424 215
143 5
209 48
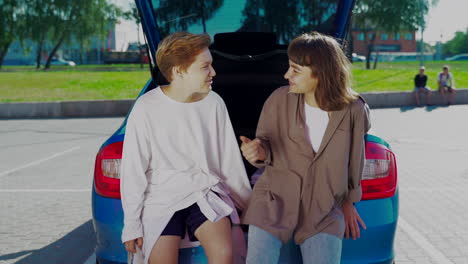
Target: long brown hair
329 65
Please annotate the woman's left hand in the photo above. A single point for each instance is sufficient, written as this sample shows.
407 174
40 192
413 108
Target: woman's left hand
352 220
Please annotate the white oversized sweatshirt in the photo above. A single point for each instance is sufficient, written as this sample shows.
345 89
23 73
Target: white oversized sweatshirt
174 155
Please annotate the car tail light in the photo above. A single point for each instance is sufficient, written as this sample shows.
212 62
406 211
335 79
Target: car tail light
107 170
379 178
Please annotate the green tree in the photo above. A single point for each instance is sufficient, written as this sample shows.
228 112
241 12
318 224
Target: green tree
38 20
388 16
458 44
177 15
80 19
288 18
11 25
281 17
134 16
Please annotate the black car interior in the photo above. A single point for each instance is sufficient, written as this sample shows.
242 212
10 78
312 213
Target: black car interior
249 67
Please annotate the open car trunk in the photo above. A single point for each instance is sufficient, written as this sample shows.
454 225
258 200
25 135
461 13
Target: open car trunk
245 81
249 45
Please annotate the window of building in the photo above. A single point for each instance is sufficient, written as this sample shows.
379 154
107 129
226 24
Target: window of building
396 36
371 35
408 36
384 36
360 36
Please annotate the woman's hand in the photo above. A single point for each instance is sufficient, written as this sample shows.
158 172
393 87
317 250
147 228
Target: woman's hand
252 150
352 220
130 245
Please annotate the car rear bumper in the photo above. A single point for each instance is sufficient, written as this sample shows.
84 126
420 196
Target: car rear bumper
108 223
375 245
376 242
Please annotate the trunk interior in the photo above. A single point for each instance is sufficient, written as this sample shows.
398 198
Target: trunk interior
249 67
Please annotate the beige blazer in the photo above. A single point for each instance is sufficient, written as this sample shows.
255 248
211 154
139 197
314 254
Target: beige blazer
300 192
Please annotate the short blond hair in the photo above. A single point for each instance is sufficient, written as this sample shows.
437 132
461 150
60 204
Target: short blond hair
180 49
324 56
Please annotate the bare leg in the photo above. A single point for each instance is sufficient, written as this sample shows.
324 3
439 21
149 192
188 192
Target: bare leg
442 92
451 96
216 241
416 96
165 251
428 94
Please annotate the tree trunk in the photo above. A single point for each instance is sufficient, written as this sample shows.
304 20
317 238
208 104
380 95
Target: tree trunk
202 9
368 54
139 46
3 52
54 50
376 59
39 53
81 51
350 46
370 47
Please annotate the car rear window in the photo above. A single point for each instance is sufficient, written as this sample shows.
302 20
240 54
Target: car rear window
286 19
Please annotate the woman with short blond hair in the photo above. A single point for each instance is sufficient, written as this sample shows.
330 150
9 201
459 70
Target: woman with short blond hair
182 171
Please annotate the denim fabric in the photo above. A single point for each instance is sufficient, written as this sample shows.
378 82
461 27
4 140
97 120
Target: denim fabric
263 247
321 248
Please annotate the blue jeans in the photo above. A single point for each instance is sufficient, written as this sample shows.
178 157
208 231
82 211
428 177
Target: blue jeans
263 247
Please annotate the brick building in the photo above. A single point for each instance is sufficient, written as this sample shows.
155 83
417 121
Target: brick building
385 42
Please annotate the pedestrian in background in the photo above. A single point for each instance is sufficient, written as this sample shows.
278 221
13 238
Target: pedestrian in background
446 84
420 86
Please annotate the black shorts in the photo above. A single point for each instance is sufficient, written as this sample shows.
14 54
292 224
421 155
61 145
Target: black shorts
189 219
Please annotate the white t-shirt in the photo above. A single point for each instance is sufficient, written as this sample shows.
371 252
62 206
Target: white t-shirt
446 80
315 125
174 155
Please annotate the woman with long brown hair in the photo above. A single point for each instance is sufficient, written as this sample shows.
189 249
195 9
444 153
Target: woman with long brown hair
310 142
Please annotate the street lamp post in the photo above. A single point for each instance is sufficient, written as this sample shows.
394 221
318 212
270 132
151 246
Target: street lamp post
422 34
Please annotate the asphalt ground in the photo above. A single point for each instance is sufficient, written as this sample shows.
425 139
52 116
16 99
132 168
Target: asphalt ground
46 174
46 168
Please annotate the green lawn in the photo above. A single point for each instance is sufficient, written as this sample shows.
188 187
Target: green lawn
399 76
70 85
86 82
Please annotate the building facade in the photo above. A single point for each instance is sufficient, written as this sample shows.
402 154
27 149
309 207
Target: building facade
25 53
384 41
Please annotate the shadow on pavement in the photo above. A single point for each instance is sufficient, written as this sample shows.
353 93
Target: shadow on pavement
428 108
16 255
73 248
407 108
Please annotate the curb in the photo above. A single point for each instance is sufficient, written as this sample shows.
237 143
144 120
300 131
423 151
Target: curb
61 109
114 108
405 99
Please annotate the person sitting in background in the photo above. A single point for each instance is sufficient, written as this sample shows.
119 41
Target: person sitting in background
446 84
420 81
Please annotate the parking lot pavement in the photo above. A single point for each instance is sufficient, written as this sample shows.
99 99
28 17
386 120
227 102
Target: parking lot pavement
46 176
45 188
432 152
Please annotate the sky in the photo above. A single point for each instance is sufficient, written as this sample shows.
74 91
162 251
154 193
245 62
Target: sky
442 21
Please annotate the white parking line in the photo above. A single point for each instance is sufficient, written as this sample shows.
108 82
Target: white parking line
38 161
419 239
91 259
43 190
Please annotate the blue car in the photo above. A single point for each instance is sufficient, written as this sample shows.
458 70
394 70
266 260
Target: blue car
249 55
